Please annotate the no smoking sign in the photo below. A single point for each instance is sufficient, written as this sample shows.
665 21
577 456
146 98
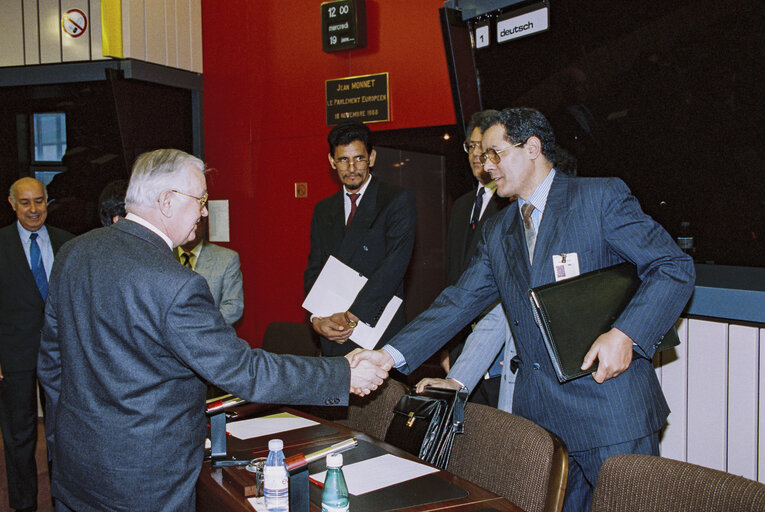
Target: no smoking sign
74 22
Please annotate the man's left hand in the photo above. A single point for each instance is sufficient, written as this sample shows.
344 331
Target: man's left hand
613 350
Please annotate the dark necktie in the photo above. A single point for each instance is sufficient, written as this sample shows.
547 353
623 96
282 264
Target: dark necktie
528 226
477 208
38 269
353 198
186 259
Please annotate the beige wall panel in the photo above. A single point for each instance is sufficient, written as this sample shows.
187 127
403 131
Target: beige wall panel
743 382
156 30
12 34
133 30
96 49
76 48
171 43
761 412
673 374
50 31
707 393
183 33
195 7
31 33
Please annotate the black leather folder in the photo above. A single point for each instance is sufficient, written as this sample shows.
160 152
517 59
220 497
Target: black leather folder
573 313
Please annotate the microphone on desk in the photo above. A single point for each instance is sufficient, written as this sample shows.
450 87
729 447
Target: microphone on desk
299 460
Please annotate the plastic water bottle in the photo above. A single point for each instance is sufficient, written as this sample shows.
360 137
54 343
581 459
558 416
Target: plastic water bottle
334 497
275 479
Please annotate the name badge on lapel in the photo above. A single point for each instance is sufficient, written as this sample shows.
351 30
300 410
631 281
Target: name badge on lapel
565 265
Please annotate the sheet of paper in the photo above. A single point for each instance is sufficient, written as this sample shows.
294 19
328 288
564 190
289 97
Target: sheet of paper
218 220
267 425
335 290
379 472
258 504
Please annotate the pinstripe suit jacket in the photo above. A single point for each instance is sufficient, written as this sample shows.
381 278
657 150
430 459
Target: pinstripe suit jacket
601 221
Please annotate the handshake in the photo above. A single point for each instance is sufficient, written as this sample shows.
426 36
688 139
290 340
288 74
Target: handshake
369 368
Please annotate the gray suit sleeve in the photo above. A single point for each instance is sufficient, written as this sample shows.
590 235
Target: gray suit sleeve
481 347
200 338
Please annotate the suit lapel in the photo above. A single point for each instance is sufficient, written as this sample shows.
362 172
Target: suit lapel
514 243
365 215
552 228
18 260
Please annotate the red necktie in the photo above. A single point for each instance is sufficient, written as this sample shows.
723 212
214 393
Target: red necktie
353 198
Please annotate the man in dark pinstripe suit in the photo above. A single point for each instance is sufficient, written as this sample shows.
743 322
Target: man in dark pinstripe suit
621 408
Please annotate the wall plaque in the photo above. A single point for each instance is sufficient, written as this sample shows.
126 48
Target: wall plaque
360 98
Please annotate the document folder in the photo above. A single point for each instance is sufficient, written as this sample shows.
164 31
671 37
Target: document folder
573 313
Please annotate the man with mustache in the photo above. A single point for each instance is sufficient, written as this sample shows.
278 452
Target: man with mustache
369 225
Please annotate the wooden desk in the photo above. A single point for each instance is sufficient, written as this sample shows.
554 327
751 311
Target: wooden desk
214 494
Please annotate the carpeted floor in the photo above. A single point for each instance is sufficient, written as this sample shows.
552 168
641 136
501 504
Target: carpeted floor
43 486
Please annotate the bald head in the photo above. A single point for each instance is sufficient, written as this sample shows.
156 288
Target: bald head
29 200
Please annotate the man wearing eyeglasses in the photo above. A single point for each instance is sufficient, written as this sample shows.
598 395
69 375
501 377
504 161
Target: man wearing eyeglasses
491 386
369 225
129 338
621 408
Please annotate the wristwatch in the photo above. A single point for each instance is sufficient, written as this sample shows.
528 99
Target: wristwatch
351 323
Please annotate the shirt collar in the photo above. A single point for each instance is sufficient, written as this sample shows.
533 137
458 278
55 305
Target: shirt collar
151 227
42 233
539 196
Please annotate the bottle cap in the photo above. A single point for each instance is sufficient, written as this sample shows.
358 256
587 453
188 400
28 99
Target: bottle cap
335 460
275 445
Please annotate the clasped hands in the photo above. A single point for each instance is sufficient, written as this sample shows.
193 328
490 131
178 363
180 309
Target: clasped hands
369 368
337 327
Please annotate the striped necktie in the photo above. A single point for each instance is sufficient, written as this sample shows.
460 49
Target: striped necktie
528 226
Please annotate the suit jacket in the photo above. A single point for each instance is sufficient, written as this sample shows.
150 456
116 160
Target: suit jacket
600 220
129 335
460 245
220 268
21 305
378 244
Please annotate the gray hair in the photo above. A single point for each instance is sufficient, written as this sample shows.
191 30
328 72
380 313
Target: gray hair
154 172
478 120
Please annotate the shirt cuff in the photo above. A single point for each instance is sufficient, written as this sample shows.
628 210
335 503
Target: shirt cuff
398 357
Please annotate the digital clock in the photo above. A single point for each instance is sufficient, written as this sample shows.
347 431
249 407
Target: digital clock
343 25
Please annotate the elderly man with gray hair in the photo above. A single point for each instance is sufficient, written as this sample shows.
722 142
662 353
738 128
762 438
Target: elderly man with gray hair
128 337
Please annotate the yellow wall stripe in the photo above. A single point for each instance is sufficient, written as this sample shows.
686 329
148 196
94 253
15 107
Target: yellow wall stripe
111 28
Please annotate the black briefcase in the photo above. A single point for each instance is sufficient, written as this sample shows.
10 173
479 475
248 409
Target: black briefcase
425 424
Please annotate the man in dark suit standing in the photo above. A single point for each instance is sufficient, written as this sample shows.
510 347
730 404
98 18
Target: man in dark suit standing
369 225
129 334
27 248
469 213
598 223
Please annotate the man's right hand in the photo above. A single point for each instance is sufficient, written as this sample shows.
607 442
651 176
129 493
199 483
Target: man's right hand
1 373
365 375
334 328
431 382
377 357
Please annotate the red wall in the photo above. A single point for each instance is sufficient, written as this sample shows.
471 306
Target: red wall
264 124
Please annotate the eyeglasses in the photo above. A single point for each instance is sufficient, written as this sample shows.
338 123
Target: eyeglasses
202 200
469 146
494 154
358 162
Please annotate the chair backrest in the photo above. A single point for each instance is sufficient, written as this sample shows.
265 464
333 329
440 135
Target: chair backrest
642 482
373 413
290 338
513 457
